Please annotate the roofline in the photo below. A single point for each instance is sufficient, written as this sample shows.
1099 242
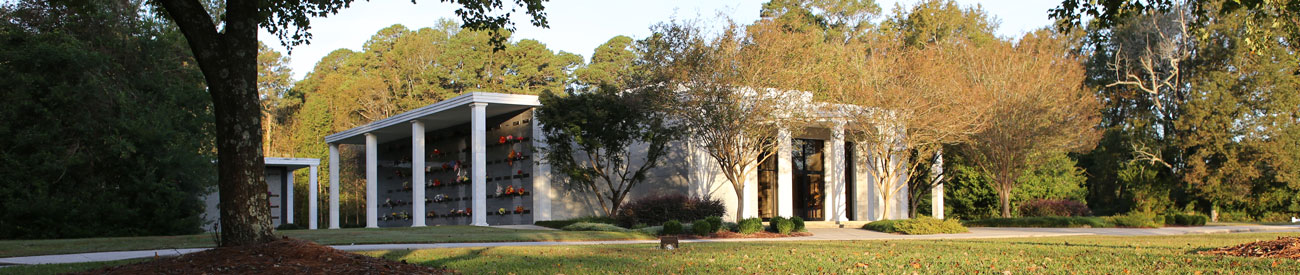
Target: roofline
291 161
465 99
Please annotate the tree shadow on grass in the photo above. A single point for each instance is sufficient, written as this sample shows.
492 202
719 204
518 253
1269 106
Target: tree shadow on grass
506 260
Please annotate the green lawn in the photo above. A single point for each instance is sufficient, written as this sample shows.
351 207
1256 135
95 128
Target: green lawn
435 234
61 268
1089 255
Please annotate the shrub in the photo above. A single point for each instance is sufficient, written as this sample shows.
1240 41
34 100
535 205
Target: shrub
672 227
731 226
290 226
771 223
750 226
659 209
782 225
1060 208
715 222
1058 222
589 226
702 227
1185 219
917 226
886 226
1137 219
928 225
560 224
798 224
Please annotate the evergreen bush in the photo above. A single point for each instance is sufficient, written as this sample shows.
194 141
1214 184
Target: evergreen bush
750 226
716 222
672 227
702 227
659 209
798 224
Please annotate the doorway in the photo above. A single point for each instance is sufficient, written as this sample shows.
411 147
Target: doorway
809 178
767 197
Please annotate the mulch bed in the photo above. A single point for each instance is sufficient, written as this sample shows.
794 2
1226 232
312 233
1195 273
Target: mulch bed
1282 247
284 256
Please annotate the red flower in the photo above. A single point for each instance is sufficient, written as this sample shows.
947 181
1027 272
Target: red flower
519 138
502 140
519 209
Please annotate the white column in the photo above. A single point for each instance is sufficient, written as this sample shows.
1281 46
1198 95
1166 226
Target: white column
936 191
372 181
334 186
288 196
865 197
541 174
313 195
478 165
784 174
751 194
835 200
417 173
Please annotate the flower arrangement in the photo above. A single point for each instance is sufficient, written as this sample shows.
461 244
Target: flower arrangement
462 179
499 190
446 166
469 211
437 182
519 191
406 185
431 214
510 190
501 140
439 198
501 211
519 209
519 139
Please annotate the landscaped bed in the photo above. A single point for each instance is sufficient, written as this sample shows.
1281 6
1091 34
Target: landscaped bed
1132 220
435 234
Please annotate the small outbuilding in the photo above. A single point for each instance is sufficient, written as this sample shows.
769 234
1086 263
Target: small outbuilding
279 183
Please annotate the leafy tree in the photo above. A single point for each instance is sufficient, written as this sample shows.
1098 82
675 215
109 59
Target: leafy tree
107 127
273 87
1055 177
607 139
722 116
1040 107
225 49
948 110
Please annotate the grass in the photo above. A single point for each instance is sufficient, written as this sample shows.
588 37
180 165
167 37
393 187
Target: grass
435 234
1090 254
61 268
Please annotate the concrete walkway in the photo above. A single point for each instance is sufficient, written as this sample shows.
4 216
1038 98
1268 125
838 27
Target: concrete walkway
819 234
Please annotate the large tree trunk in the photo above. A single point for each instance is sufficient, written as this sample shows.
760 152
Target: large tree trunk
229 64
1004 197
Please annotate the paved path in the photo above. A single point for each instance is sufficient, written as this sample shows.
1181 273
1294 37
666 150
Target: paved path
819 234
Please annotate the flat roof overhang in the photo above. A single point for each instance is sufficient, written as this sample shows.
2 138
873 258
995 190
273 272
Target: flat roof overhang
446 113
291 163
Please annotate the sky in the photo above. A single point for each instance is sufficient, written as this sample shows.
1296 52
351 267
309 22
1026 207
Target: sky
579 26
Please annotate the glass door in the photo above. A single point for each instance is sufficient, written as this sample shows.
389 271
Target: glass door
809 178
767 186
